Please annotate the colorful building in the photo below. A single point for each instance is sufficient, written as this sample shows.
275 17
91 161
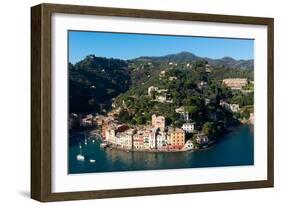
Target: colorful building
152 139
105 123
175 138
111 129
125 139
138 141
110 134
158 122
161 140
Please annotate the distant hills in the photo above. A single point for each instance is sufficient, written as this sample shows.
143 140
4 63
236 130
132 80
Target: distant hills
185 57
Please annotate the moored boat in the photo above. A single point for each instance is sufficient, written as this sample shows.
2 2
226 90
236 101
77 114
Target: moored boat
80 157
103 145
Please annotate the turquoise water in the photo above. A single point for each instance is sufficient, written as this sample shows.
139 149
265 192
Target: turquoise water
235 148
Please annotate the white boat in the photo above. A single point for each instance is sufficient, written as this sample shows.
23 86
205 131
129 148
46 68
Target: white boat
103 145
80 157
92 161
93 141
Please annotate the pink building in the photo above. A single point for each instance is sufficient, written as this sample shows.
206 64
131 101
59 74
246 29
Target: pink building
158 122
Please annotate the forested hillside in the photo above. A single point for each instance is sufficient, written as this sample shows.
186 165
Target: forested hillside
97 82
94 81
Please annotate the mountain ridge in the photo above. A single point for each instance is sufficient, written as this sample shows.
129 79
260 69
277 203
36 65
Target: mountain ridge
186 57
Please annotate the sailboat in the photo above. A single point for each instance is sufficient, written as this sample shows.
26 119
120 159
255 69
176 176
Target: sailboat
80 157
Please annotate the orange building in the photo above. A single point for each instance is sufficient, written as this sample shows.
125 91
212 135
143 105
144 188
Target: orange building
176 138
104 124
103 129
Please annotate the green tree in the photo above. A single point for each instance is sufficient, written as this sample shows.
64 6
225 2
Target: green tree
140 120
191 109
124 116
209 129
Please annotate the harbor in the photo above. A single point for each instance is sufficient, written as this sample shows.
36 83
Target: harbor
87 154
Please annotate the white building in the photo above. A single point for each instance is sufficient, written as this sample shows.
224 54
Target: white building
152 139
230 107
146 138
179 110
234 107
252 118
188 127
201 139
161 139
162 74
202 84
110 134
152 89
189 145
208 68
159 95
172 78
184 114
161 98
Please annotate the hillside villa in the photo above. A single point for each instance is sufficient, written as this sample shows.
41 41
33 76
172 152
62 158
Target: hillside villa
235 83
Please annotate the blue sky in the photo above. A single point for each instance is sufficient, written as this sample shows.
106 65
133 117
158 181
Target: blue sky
129 46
